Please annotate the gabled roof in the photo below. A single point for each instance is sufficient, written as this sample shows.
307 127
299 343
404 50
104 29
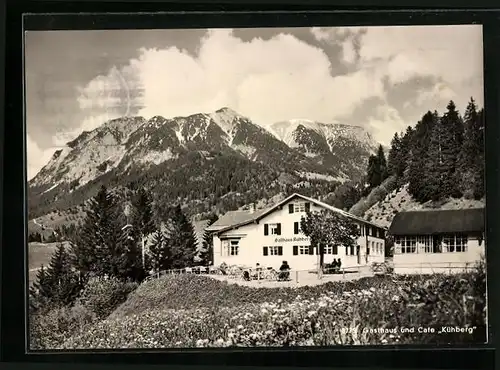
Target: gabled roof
430 222
235 219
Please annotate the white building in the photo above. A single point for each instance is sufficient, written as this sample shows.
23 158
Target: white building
444 241
273 235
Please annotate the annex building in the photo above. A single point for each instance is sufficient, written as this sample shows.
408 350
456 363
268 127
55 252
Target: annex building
438 240
272 235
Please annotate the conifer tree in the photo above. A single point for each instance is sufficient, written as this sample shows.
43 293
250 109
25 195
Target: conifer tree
373 175
451 141
132 265
183 240
41 291
471 160
142 212
97 249
479 185
207 253
421 141
160 253
395 156
64 281
382 164
57 285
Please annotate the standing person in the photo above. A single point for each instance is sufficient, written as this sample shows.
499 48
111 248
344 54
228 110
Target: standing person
339 263
258 270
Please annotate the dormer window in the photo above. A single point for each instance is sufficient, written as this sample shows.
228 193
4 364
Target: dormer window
298 207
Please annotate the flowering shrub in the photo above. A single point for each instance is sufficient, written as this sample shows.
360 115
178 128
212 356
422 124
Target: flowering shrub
195 311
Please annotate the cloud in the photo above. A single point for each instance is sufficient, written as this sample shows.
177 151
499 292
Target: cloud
268 80
385 122
36 157
283 77
454 54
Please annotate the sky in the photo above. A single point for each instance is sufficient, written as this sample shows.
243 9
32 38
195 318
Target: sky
381 78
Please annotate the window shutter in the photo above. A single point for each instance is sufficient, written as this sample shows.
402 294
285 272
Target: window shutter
264 251
295 227
290 208
295 250
311 249
278 229
335 250
308 206
266 229
352 250
280 251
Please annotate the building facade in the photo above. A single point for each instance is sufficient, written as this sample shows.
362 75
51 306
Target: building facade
444 241
271 236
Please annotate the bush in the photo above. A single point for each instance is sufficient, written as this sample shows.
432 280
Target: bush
102 296
50 329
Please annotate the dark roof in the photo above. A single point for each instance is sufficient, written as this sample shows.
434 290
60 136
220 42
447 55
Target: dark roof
430 222
234 219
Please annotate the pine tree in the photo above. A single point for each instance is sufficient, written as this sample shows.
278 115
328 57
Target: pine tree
471 159
451 144
65 282
395 156
142 213
97 249
55 286
418 177
160 253
480 164
373 174
41 291
183 239
207 253
382 164
131 267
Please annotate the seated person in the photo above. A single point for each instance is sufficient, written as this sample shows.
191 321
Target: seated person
284 271
246 275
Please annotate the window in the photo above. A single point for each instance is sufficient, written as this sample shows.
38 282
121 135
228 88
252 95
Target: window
299 207
330 249
231 247
302 249
408 244
272 229
362 230
424 244
455 243
273 251
305 249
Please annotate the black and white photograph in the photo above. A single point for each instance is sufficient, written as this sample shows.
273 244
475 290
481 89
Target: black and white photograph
255 187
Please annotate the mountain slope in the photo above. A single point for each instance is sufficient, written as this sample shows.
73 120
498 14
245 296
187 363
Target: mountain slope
398 200
328 144
200 158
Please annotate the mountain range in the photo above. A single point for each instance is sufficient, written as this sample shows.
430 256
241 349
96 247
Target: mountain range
198 157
